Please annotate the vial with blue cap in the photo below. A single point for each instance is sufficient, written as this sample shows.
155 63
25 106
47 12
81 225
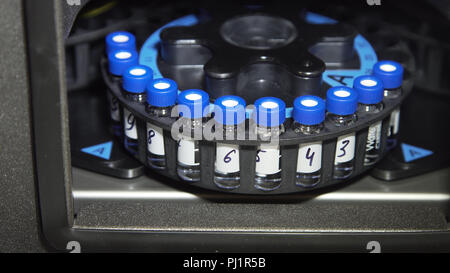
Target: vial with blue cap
229 116
134 85
370 97
161 97
193 105
118 62
391 74
309 115
341 104
269 115
120 40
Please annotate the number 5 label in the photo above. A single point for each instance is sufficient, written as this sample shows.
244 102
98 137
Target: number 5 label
309 157
345 148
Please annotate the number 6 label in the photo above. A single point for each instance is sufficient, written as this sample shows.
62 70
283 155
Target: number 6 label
345 148
309 157
227 158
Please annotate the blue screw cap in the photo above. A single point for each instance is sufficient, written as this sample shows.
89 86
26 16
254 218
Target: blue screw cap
229 110
309 110
192 103
162 92
136 78
120 40
369 88
120 60
269 112
342 100
390 73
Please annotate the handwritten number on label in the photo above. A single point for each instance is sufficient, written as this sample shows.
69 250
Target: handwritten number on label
151 134
130 121
257 154
227 157
344 143
310 156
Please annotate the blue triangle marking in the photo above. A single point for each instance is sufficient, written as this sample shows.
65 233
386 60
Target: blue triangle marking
102 150
411 153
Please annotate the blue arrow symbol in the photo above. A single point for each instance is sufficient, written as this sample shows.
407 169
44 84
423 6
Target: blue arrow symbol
411 153
102 150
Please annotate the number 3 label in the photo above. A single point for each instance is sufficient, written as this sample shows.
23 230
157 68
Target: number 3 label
309 157
227 158
345 148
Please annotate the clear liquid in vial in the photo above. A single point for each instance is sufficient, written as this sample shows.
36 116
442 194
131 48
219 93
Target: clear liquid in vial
155 147
188 167
188 153
227 173
394 119
130 132
156 157
373 143
309 159
268 167
345 147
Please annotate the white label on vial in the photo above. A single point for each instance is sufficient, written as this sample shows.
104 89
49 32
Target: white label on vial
187 151
309 158
227 158
394 122
268 159
345 148
129 124
374 137
155 139
113 107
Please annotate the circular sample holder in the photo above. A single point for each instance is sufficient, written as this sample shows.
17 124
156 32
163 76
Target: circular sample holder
311 54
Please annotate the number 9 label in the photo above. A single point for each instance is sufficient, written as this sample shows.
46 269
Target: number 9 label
129 124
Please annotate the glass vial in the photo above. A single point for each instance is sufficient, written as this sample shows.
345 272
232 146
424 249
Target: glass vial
269 116
391 75
119 40
370 96
135 80
229 113
191 108
341 105
309 114
161 97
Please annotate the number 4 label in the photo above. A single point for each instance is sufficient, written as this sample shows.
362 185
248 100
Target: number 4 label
309 158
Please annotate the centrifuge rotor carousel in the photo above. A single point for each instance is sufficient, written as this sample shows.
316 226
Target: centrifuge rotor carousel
314 83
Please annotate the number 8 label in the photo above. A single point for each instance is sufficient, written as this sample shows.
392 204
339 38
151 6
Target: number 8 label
309 158
227 158
345 148
155 140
